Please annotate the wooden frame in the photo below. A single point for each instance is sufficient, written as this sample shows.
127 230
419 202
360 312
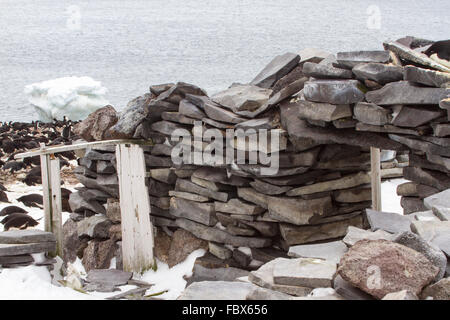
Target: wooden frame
137 230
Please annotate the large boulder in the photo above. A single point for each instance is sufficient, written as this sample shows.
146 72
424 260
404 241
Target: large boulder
96 125
379 267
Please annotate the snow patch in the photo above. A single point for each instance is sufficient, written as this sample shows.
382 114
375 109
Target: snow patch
73 97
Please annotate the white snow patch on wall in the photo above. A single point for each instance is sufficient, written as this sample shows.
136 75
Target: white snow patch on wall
73 97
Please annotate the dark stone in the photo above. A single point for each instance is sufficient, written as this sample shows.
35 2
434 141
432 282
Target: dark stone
387 221
334 91
196 211
324 71
353 58
279 67
96 125
414 116
425 76
404 92
183 243
381 73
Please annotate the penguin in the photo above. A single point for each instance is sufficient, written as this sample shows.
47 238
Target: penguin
14 166
441 49
19 221
32 200
12 209
3 196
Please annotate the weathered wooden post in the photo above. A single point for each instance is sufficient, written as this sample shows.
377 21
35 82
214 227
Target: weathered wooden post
51 188
375 174
137 230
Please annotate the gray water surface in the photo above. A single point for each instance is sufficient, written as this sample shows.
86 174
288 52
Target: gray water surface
129 45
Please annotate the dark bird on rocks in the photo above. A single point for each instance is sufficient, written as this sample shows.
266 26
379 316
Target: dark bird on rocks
12 209
14 166
3 196
33 177
19 221
2 187
440 48
32 200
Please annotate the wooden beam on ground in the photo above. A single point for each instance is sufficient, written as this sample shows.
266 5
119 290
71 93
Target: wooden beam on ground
375 165
137 230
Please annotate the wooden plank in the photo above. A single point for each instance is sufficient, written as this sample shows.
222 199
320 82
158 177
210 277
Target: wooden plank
375 174
137 230
56 222
77 146
46 190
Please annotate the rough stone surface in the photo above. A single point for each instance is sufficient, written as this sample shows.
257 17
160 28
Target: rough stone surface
439 199
352 58
378 72
323 111
242 97
183 243
398 267
425 76
334 91
98 254
436 256
404 92
217 290
387 221
349 292
436 232
95 126
200 273
355 234
276 69
438 291
401 295
304 272
370 113
331 251
94 227
196 211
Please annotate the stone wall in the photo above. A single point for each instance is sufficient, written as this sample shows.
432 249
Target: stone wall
328 111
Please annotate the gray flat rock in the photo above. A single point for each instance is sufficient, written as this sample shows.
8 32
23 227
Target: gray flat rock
200 273
276 69
25 236
443 213
110 277
404 92
378 72
387 221
436 232
352 58
370 113
334 91
439 199
195 211
217 290
20 249
323 111
331 251
426 76
304 272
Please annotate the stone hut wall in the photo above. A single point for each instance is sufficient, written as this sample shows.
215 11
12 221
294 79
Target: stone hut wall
328 111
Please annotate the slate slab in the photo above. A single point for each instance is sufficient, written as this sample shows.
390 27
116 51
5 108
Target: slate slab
109 277
20 249
334 91
331 251
304 272
352 58
217 290
276 69
439 199
387 221
379 72
405 92
25 236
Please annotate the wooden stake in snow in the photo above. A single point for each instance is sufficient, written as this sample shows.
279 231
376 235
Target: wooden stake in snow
137 230
51 187
375 178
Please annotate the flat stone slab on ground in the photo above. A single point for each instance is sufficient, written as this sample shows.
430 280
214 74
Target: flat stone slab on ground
387 221
346 290
436 232
217 290
331 251
110 277
25 236
439 199
355 234
304 272
200 273
277 68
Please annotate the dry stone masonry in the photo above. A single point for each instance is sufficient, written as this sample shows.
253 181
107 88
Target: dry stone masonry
327 110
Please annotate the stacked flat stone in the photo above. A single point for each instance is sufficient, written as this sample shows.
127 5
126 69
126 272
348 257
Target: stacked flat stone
19 248
328 110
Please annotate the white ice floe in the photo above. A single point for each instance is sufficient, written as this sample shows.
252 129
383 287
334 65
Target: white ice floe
73 97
